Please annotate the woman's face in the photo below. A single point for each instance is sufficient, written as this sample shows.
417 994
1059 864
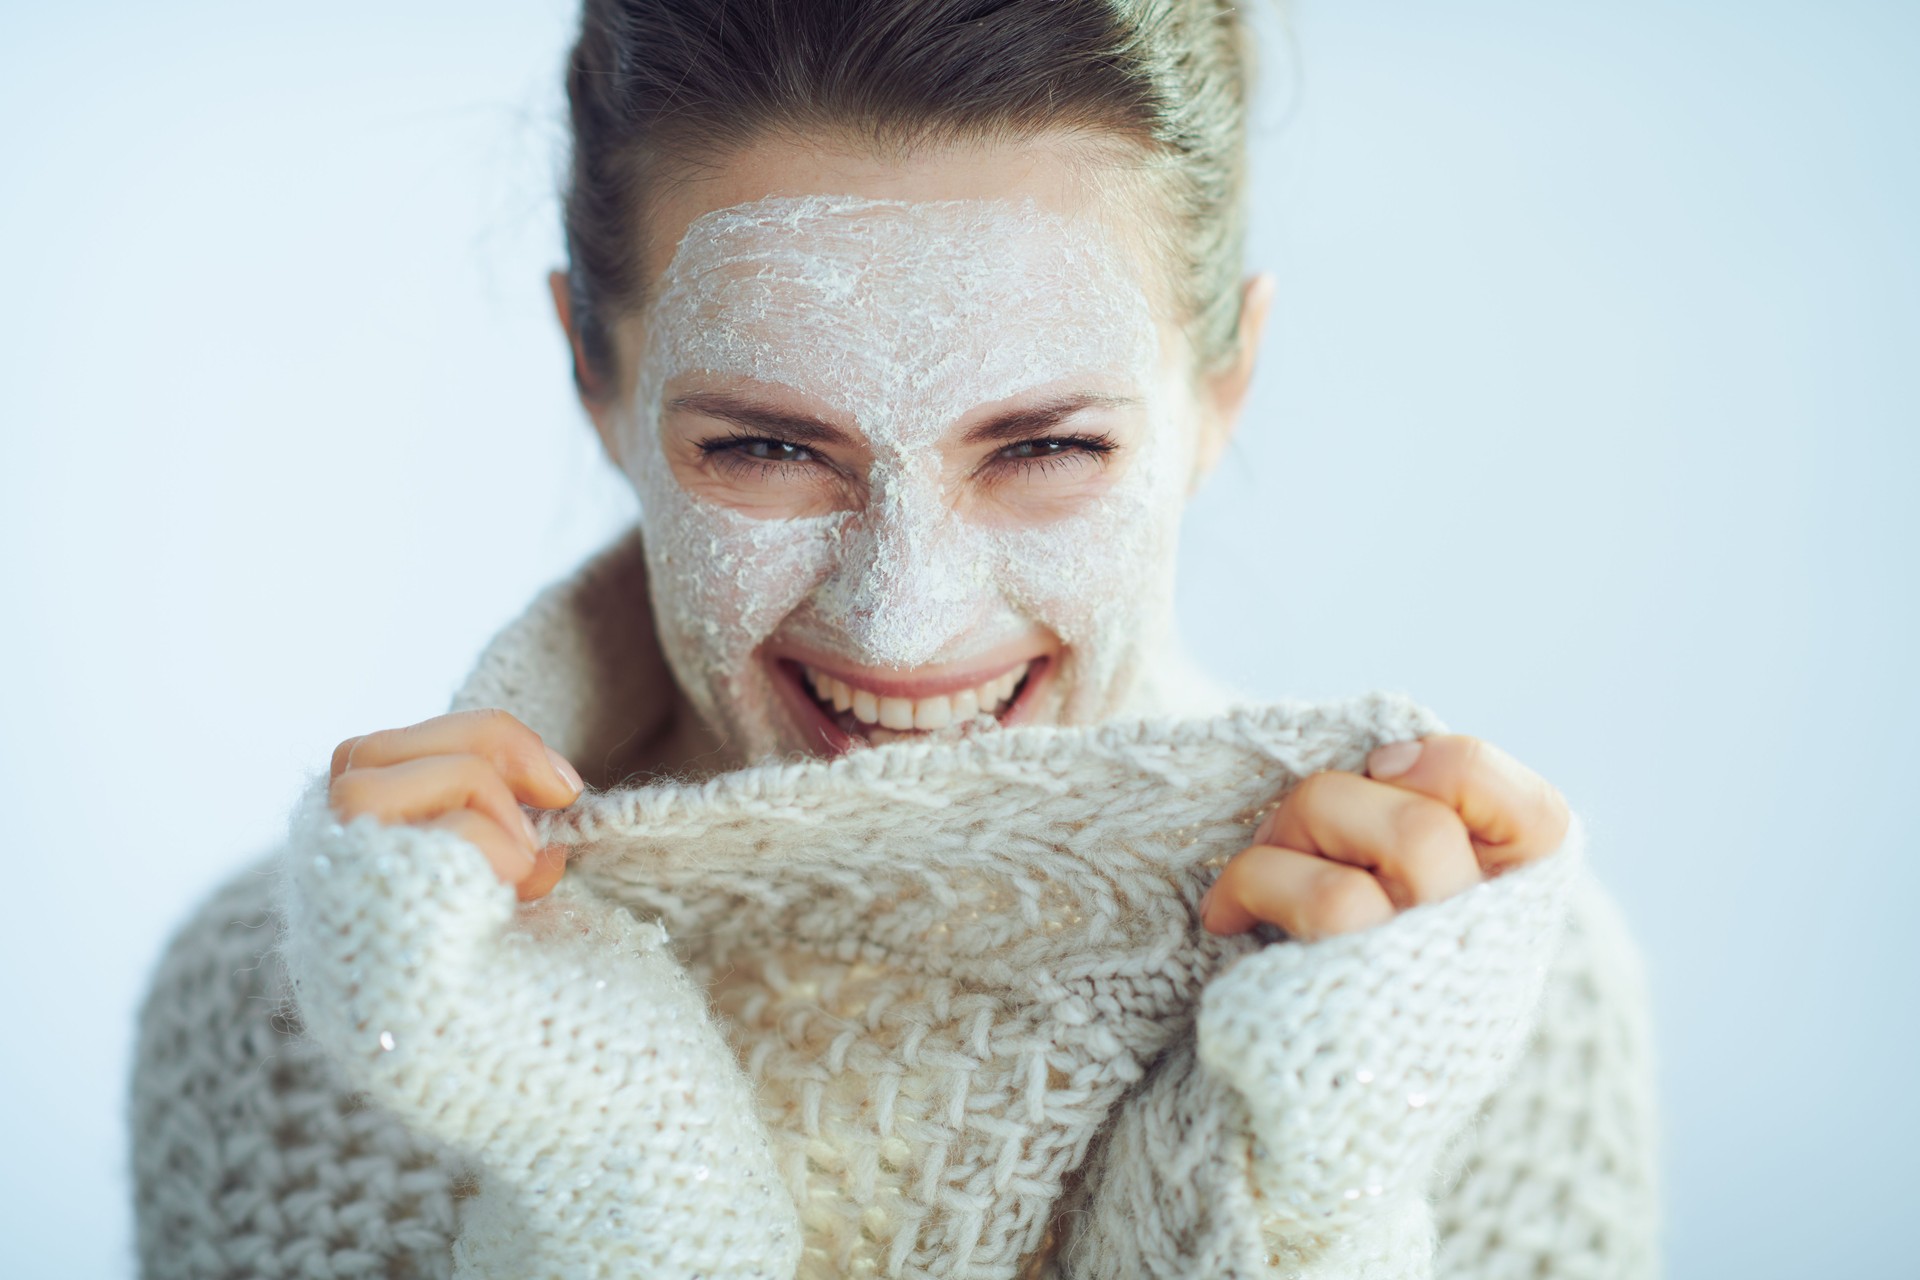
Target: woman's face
910 462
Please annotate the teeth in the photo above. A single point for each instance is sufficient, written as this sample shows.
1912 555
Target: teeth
898 715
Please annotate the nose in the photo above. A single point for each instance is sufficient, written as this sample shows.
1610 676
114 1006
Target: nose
912 578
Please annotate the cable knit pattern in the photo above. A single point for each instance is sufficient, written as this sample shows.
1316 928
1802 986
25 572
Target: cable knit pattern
560 1045
1370 1052
922 1011
1340 1071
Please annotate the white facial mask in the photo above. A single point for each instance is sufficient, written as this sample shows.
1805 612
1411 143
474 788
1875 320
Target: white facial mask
902 318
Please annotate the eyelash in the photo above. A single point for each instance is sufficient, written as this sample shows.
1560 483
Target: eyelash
731 453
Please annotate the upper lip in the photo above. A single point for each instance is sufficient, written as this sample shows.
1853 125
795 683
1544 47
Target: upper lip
917 686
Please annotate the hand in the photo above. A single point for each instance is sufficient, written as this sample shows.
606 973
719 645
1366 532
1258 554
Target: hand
467 772
1345 852
559 1047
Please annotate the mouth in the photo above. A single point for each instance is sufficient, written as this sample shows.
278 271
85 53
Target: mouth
842 712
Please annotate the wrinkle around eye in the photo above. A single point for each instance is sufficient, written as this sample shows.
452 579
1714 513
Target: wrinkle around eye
723 469
729 450
738 465
1043 464
1050 455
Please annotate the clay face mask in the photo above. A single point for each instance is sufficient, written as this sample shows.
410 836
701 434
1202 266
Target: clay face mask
901 319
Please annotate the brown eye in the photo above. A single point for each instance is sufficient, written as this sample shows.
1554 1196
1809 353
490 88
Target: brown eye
1048 453
762 453
1038 448
773 451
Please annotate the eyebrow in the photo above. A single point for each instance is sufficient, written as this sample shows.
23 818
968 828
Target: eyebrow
800 428
1020 424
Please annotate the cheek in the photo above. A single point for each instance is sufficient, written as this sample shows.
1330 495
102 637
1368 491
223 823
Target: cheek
1094 575
1106 571
1049 491
724 581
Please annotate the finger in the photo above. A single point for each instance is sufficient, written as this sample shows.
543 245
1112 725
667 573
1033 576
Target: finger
537 775
549 865
1305 894
417 790
1512 813
342 755
1417 846
505 854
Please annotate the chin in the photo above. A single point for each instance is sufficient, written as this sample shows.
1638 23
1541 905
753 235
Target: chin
832 707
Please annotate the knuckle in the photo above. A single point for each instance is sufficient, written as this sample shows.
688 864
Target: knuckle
1423 825
495 725
1286 814
1466 754
341 754
1342 899
479 777
504 738
1315 785
1242 880
347 795
1227 883
1310 794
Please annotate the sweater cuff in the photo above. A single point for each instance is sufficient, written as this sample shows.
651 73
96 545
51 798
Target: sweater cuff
1360 1056
560 1045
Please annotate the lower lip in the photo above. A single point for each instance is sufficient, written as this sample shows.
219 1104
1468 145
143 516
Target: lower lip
825 736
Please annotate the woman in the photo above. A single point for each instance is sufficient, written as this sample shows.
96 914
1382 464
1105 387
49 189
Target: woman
914 326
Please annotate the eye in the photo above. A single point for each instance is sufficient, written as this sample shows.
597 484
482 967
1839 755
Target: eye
761 449
756 453
1043 454
1037 448
774 451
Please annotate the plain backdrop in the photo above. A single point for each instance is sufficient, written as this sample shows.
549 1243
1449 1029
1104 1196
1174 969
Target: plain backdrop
1588 418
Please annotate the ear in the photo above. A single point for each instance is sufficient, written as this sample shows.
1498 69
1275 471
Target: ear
584 382
1224 391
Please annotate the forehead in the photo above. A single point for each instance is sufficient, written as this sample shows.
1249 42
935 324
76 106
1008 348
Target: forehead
855 298
1072 172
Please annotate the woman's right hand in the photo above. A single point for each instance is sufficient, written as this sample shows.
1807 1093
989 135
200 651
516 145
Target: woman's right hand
467 772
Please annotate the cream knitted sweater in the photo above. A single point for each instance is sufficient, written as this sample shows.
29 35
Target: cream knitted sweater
922 1011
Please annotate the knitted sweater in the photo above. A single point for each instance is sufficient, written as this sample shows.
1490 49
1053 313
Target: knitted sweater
920 1011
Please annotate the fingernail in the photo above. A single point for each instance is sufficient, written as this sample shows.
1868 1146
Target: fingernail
533 833
565 770
1393 759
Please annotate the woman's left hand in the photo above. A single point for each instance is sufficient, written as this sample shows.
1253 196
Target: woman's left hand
1345 852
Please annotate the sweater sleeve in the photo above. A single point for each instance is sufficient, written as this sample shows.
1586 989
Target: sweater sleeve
1558 1173
1301 1130
560 1046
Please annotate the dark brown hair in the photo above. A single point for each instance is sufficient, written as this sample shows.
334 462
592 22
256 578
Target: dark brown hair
658 88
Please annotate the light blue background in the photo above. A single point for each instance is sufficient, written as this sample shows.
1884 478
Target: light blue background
1588 418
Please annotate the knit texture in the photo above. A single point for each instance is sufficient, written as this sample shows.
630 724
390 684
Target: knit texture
925 1010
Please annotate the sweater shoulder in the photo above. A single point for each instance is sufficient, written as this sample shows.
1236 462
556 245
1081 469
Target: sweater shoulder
249 1157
